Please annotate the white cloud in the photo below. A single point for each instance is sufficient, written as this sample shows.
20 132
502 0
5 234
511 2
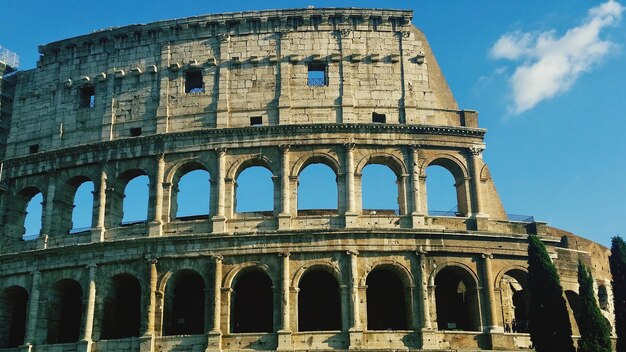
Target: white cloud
549 64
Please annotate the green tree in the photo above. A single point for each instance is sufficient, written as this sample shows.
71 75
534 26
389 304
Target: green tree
617 261
595 333
548 323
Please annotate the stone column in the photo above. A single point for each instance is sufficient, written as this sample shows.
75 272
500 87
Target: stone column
284 218
475 157
284 334
219 220
98 232
48 213
492 325
86 342
156 226
33 310
215 335
417 213
151 311
356 332
351 216
423 265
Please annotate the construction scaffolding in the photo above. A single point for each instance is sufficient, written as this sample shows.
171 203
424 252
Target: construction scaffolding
9 58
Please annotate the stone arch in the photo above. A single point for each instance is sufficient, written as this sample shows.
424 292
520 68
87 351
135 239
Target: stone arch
64 202
64 312
316 158
121 316
174 176
21 201
456 298
460 174
252 301
269 186
469 270
13 316
184 306
498 279
319 265
115 198
392 161
242 163
400 269
388 296
511 285
319 299
229 278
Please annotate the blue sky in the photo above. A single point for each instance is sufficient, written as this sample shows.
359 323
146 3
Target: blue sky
548 78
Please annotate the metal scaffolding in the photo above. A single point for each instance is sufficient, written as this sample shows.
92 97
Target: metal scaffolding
9 58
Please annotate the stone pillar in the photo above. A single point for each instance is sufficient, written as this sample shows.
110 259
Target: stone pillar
417 213
48 213
356 332
151 311
284 218
475 157
492 324
215 335
351 216
98 231
86 342
284 334
156 223
423 265
219 220
33 310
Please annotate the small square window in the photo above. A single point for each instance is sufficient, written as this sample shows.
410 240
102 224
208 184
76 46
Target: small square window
256 121
135 132
88 97
379 118
193 82
32 149
318 74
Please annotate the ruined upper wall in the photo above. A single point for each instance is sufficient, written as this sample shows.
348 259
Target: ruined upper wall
252 64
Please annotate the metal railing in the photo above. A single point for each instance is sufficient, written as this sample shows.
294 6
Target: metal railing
520 218
9 58
316 82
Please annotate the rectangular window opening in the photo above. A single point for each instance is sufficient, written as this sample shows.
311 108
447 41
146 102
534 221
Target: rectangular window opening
135 132
317 74
379 118
32 149
88 97
256 121
193 82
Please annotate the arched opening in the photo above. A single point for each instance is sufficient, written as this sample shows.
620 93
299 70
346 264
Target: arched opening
193 194
82 213
254 191
446 189
65 309
317 190
252 303
575 310
185 299
515 300
603 297
136 196
379 190
13 303
33 217
319 302
386 301
456 299
122 308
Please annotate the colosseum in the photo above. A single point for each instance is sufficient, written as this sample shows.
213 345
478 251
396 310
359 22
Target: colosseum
283 90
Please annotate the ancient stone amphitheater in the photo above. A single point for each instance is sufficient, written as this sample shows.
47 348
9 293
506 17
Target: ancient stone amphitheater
283 90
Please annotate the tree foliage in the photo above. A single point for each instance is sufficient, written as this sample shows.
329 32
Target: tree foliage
549 325
595 333
617 261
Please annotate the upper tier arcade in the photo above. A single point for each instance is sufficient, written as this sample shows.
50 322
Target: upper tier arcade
281 67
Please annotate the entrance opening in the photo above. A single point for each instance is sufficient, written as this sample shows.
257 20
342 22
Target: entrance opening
514 301
386 301
311 180
184 314
65 312
253 303
122 310
254 190
319 303
13 301
456 300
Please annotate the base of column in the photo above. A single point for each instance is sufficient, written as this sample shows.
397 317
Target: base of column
481 221
42 241
219 223
84 346
146 343
430 339
214 341
497 341
155 229
284 341
284 221
97 234
351 220
356 339
418 221
26 348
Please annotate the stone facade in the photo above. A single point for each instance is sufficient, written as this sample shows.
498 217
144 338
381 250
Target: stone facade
170 97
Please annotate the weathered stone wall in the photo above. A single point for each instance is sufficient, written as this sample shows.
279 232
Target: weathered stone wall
255 64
